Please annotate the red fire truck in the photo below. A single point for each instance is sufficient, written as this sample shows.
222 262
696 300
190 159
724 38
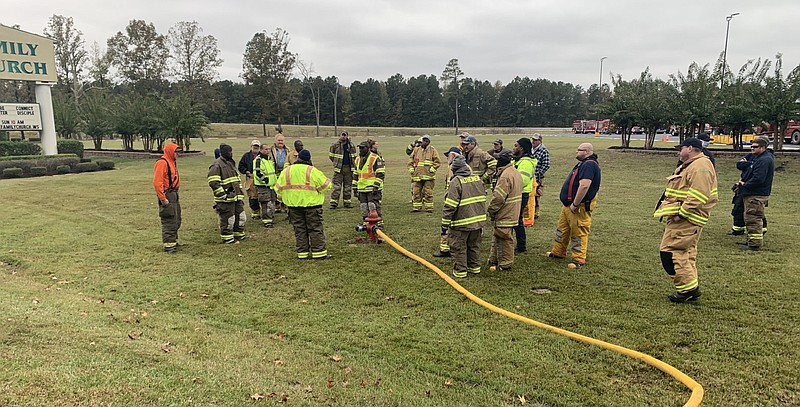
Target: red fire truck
590 126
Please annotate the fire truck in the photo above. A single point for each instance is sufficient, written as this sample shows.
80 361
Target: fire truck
590 126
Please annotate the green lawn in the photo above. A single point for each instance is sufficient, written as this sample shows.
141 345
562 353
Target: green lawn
93 313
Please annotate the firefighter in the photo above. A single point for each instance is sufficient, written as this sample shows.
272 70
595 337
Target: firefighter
463 217
504 210
342 154
298 147
579 198
482 163
302 188
452 153
264 179
246 169
525 165
422 165
368 181
755 188
228 197
690 194
166 182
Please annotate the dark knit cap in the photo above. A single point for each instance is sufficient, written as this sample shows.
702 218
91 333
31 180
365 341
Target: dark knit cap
526 144
454 150
504 159
304 155
224 148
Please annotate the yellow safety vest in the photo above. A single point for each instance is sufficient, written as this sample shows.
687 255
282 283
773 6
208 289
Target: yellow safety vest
302 185
368 174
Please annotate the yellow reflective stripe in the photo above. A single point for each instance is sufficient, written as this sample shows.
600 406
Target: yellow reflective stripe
497 188
688 286
517 198
699 195
714 192
214 178
451 203
667 210
675 193
334 155
525 174
324 185
474 199
218 191
755 236
469 221
230 180
445 222
700 220
506 224
491 163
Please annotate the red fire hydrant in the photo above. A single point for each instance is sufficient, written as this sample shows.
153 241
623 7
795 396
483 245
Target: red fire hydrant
372 220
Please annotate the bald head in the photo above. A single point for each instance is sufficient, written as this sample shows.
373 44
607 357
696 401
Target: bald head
584 151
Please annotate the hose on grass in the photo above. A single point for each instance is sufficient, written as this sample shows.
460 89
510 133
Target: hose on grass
697 390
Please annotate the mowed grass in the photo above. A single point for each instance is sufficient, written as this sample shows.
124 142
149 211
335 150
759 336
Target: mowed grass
93 313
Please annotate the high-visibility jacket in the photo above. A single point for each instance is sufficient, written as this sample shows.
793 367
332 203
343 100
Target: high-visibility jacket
482 163
691 191
465 204
369 172
264 172
423 163
165 172
526 166
224 181
506 198
301 186
336 154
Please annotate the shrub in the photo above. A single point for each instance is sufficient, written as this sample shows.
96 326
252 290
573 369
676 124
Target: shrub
86 160
8 148
63 169
70 147
50 162
37 171
12 172
105 165
86 166
3 135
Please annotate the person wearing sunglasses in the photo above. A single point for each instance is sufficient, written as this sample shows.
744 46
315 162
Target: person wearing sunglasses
755 188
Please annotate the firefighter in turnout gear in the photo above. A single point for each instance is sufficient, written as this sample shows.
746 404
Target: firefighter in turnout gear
452 153
369 174
504 210
246 171
482 163
302 188
343 156
422 165
228 196
690 195
264 179
463 217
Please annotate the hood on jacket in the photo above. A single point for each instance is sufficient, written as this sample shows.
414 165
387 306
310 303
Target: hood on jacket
169 151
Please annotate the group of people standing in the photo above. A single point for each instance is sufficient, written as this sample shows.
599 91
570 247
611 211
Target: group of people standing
480 187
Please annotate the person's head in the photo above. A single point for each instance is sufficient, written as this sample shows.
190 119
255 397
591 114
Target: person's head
689 148
536 140
426 141
264 151
216 153
469 143
704 138
226 151
343 137
498 145
504 159
304 156
298 145
280 141
373 145
459 166
363 148
452 153
584 151
759 145
255 146
522 147
171 151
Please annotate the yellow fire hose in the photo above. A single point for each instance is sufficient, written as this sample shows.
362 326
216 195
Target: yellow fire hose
697 390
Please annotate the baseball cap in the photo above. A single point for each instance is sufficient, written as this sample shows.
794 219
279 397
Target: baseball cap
536 136
691 142
704 137
256 143
498 141
469 139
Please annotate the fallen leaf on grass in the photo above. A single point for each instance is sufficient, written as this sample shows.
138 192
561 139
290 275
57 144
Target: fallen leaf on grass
330 383
448 382
345 383
540 291
35 301
347 370
304 301
204 295
165 347
83 313
309 389
427 393
195 380
181 295
256 396
62 282
389 298
284 398
154 302
522 399
377 382
144 314
279 335
336 358
278 362
135 335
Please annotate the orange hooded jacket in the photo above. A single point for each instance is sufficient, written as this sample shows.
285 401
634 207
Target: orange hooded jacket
163 169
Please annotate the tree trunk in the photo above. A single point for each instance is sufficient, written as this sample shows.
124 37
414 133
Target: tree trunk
777 136
456 114
650 138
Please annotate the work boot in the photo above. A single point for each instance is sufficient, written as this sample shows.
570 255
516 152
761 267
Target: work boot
690 295
325 257
751 248
441 254
240 238
518 251
334 205
348 205
229 241
553 255
735 232
499 268
255 216
575 265
170 250
268 225
461 274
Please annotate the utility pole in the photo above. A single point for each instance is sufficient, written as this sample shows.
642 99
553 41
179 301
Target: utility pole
600 90
725 51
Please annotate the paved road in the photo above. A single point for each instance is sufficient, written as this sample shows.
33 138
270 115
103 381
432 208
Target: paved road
672 139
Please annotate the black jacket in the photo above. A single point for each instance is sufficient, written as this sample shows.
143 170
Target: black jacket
757 176
246 162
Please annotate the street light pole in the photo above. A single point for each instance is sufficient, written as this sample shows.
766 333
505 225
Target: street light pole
600 89
725 51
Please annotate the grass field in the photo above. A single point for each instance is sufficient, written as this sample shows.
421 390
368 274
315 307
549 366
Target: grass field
94 314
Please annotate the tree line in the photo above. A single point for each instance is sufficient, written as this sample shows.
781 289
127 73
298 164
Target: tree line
148 86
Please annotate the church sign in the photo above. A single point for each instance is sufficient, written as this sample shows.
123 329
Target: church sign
26 57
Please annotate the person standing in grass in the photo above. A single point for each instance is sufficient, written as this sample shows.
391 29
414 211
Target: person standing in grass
444 247
755 188
579 197
166 182
481 162
342 154
228 197
280 156
525 165
504 210
264 177
463 217
368 181
302 188
687 201
422 165
542 156
246 169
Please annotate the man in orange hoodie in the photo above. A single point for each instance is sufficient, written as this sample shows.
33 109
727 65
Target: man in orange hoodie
167 182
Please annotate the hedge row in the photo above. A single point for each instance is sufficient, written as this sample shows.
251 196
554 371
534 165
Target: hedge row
50 162
19 148
66 165
70 147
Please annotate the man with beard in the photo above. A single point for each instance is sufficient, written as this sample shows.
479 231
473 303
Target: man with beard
342 154
422 165
369 175
463 217
264 177
228 197
246 169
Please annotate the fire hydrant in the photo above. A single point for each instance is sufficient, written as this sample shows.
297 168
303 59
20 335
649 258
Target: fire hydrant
372 220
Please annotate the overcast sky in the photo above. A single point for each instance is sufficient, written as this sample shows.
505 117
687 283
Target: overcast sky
559 40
